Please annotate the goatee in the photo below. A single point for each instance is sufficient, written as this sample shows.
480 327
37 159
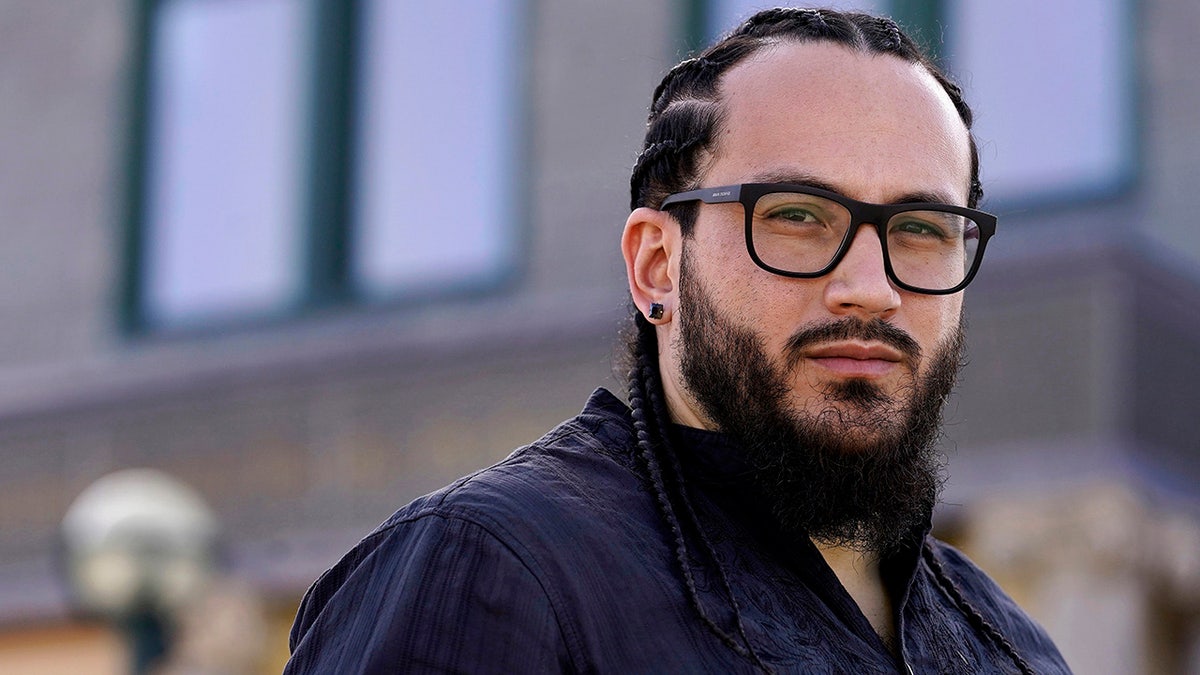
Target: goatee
863 472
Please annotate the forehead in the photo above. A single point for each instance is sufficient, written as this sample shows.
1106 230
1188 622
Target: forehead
874 126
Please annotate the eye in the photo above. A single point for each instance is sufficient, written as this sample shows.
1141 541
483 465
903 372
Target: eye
920 228
795 214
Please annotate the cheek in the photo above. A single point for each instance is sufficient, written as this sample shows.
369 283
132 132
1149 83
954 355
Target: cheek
750 295
724 248
936 320
720 262
720 250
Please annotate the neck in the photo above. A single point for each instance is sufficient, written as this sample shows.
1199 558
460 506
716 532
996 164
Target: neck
860 575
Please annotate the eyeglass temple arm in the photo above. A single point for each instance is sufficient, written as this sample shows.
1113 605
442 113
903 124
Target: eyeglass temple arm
717 195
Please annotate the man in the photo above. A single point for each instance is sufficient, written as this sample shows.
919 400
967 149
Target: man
803 227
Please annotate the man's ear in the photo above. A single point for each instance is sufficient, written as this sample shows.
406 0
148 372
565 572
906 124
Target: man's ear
651 246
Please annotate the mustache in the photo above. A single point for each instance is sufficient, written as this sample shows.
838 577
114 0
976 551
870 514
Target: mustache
875 330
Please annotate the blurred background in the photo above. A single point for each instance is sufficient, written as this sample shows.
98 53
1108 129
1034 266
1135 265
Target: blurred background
305 260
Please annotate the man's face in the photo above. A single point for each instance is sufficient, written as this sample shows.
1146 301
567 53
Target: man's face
873 128
831 387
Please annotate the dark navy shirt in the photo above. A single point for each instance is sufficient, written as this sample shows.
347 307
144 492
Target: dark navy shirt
557 560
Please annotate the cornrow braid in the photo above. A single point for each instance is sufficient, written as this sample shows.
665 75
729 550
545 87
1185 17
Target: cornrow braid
661 158
652 442
697 77
651 154
973 615
893 32
675 79
817 23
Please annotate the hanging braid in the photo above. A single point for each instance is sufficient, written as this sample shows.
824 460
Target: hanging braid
973 615
654 446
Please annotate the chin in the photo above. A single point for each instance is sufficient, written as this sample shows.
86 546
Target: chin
857 423
858 441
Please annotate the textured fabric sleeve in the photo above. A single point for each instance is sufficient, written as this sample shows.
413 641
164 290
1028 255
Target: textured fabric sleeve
436 594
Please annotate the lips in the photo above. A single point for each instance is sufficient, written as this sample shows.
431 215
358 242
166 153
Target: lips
855 359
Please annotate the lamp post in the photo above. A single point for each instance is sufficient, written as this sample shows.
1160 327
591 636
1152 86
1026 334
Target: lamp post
138 546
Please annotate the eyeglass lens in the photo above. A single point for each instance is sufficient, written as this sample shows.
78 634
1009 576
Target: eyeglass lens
796 232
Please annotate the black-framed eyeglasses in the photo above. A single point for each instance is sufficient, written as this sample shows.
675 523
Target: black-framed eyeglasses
804 232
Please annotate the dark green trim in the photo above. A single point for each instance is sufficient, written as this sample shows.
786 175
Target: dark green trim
131 315
517 224
330 168
693 27
924 21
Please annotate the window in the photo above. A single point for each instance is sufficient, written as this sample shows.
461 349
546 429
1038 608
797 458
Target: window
293 153
223 185
1053 86
424 224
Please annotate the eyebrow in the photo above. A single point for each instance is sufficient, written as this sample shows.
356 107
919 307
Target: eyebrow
809 180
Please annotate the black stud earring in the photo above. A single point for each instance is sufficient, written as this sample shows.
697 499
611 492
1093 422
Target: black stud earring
656 310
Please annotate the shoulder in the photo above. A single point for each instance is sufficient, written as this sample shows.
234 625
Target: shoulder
436 590
981 592
583 461
491 544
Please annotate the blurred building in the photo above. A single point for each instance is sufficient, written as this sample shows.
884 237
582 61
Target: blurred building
318 257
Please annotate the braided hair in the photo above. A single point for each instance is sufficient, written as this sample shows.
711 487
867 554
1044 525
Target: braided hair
654 450
977 620
685 116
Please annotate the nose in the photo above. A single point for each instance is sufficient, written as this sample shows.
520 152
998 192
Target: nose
859 284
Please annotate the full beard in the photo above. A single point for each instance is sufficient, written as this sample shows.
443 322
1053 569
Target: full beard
863 472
